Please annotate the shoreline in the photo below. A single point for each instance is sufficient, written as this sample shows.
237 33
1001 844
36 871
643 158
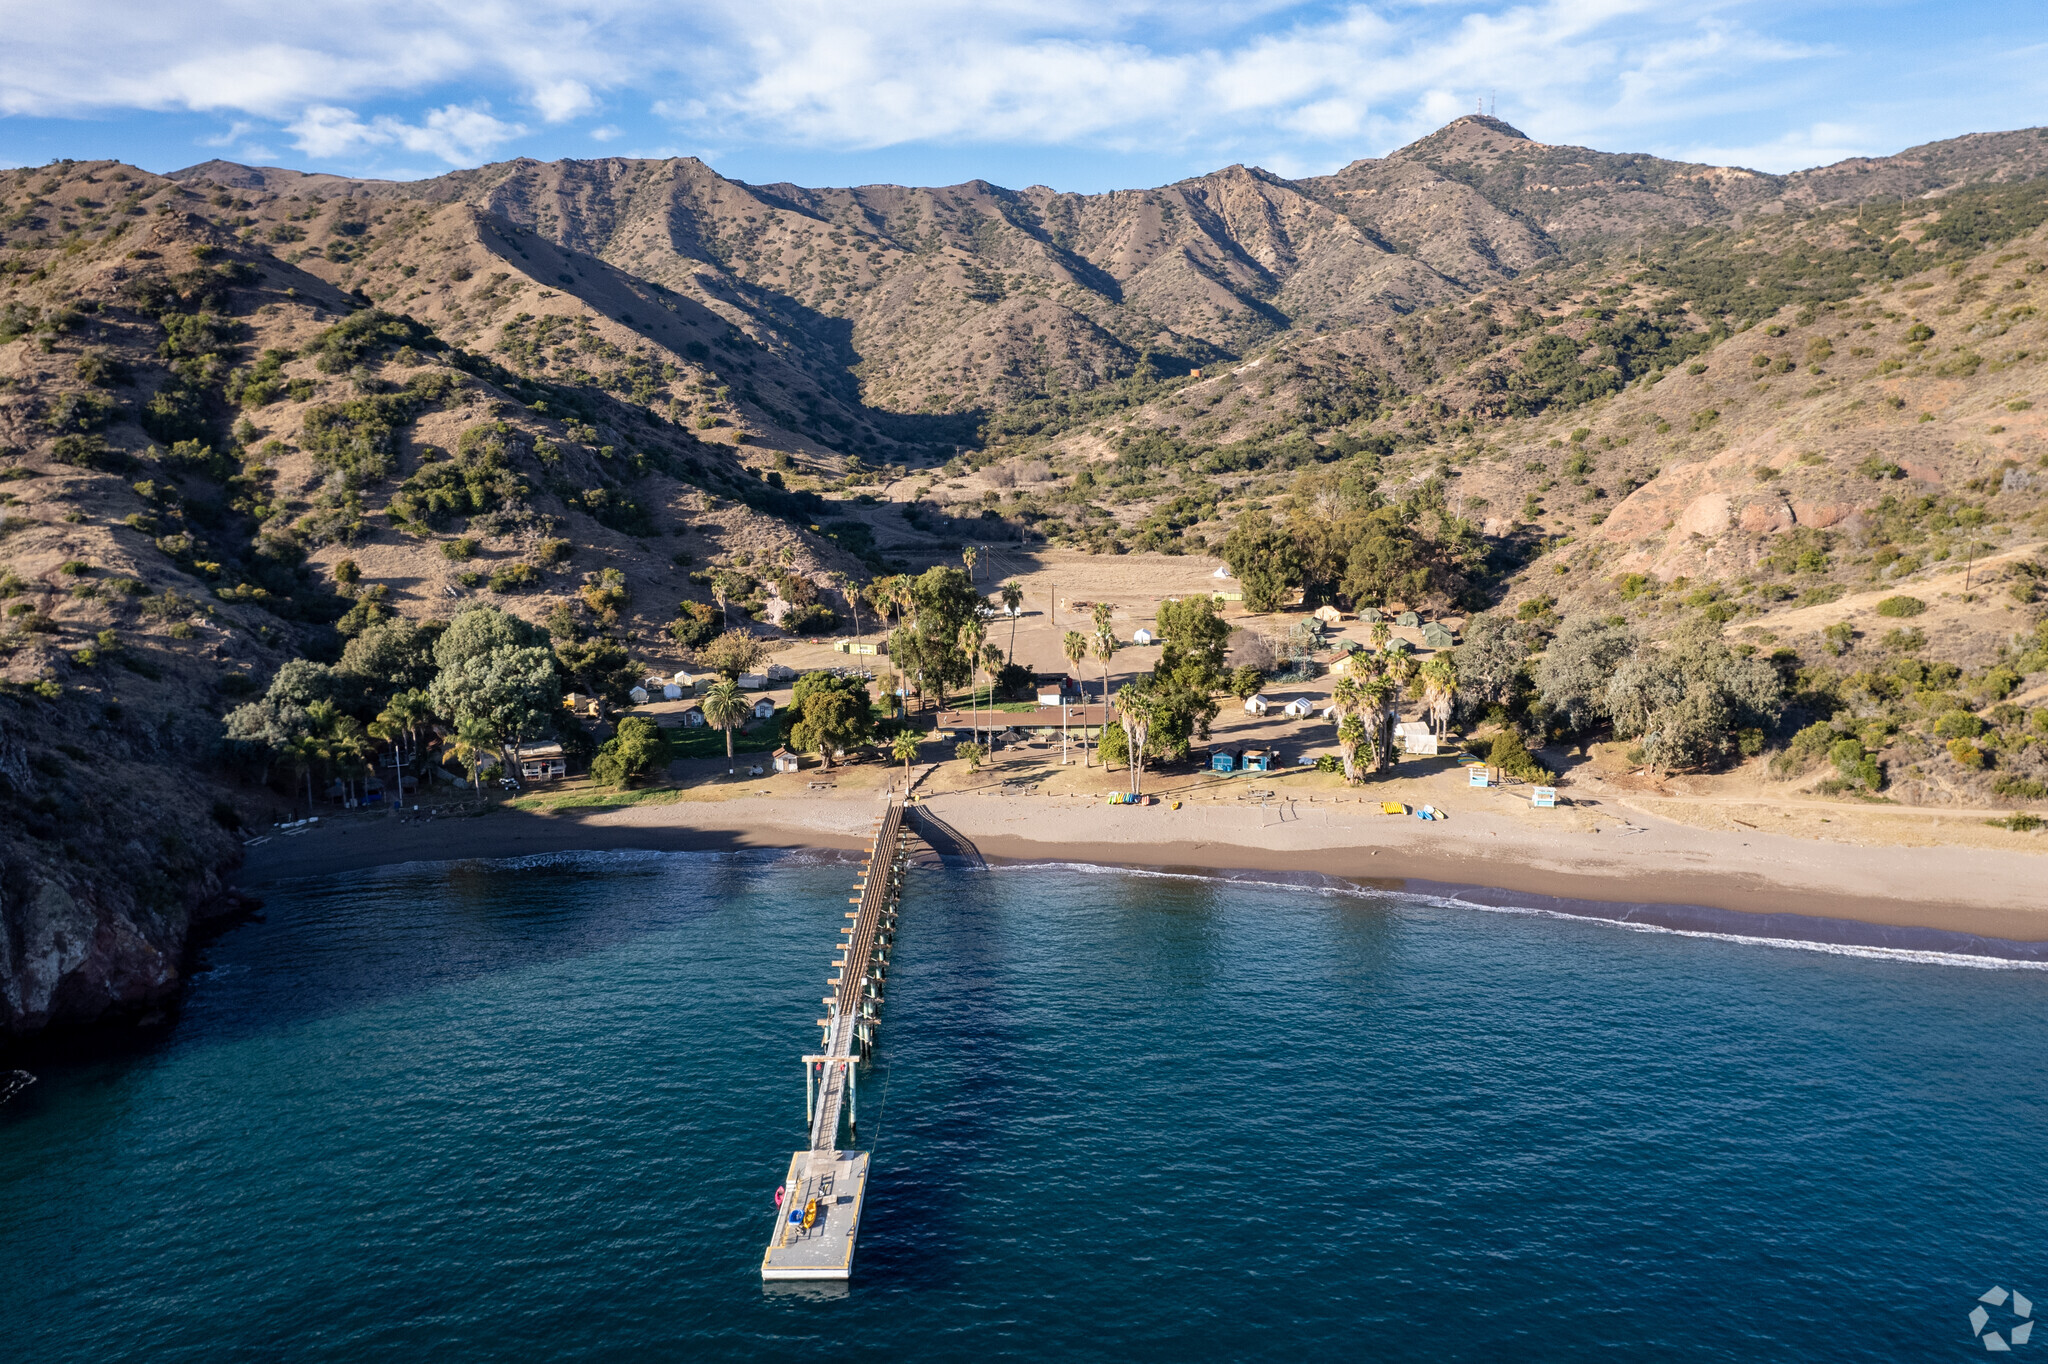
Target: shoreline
1625 868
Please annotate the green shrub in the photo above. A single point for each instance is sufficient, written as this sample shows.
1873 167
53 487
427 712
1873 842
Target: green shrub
514 578
1513 757
1966 753
459 550
1901 606
2012 786
1958 724
2020 822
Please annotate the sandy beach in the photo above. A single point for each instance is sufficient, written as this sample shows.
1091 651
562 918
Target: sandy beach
1611 852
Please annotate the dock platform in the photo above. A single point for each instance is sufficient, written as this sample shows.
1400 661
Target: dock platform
826 1250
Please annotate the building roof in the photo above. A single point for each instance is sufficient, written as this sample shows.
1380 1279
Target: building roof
542 750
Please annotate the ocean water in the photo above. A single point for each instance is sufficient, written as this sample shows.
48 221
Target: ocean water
536 1110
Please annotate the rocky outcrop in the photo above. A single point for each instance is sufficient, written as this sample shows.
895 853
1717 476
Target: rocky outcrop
108 862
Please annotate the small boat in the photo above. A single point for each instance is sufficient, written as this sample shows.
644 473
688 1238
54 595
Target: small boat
780 1190
810 1214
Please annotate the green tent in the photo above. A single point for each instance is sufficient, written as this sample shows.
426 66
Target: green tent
1436 636
1407 618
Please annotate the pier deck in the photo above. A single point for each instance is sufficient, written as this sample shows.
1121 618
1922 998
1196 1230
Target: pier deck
837 1179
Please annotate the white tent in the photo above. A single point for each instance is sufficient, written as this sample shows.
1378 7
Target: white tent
681 679
1415 737
1257 705
1143 637
1328 712
671 692
753 681
1299 707
1223 572
1329 615
638 696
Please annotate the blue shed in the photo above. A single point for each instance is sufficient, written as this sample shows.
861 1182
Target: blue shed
1223 760
1258 760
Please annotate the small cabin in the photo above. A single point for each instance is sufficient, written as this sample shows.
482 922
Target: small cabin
1259 759
541 762
1300 708
1143 637
671 692
1415 737
786 761
638 696
683 680
753 681
693 718
764 709
1223 760
1257 705
1058 691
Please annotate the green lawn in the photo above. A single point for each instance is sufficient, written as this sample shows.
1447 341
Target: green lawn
709 743
575 800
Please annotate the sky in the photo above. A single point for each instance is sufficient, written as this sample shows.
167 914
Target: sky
1081 95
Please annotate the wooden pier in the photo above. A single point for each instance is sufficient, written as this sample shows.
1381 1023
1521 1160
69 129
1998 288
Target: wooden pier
818 1220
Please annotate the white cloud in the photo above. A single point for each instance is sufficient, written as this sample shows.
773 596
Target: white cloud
560 101
1821 144
458 135
607 133
1294 82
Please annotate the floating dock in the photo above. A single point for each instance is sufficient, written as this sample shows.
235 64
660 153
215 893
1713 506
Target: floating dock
818 1219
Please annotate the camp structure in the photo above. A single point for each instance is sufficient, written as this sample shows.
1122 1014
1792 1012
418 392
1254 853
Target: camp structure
1223 760
1299 708
1415 737
1408 618
1259 759
786 761
753 681
764 709
1329 615
540 762
1222 571
693 718
1435 636
671 692
1257 705
638 696
1143 637
1058 691
865 647
683 680
1369 614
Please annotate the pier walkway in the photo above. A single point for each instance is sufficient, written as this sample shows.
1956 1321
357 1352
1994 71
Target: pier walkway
819 1217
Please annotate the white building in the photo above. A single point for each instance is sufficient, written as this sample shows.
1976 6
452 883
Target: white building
1257 705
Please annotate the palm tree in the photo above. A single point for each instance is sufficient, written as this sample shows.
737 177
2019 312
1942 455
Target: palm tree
968 556
852 595
725 709
903 748
1376 693
1105 650
473 743
403 714
972 633
1075 647
1381 633
1013 598
1346 697
1134 708
1439 691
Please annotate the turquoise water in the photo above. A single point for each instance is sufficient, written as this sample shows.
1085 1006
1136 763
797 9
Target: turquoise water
537 1110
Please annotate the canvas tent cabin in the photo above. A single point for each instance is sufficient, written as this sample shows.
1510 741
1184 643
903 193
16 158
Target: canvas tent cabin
1257 705
1408 618
764 709
1329 615
1435 636
1415 737
671 692
1369 614
541 762
1143 637
693 718
638 696
753 681
1299 708
786 761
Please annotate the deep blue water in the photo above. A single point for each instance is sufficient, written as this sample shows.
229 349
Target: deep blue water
537 1110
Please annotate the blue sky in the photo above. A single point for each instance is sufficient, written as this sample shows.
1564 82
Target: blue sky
1078 94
